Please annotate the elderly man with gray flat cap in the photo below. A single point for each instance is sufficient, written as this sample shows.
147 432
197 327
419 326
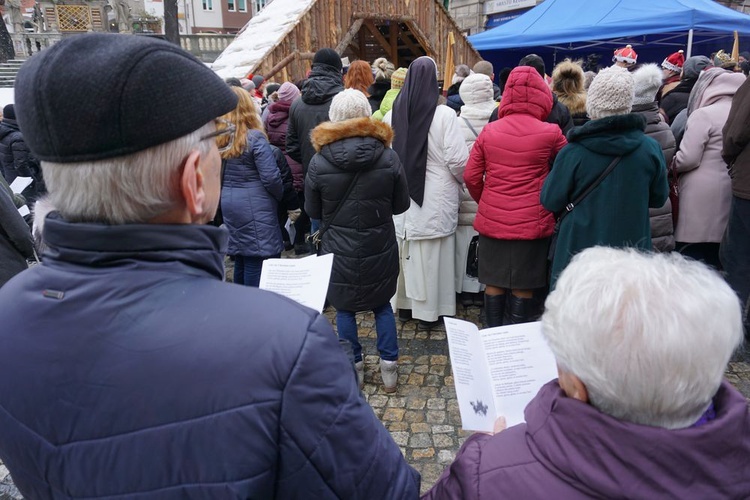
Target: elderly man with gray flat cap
129 368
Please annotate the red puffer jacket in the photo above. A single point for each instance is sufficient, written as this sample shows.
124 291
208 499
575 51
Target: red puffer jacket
510 160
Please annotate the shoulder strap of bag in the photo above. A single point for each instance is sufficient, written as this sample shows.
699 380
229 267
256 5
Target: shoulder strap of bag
324 226
468 124
570 206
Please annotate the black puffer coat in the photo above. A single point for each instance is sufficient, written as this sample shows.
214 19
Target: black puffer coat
677 99
662 228
15 240
362 236
311 109
377 92
17 161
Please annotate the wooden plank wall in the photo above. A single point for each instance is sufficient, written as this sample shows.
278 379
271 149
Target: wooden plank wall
327 22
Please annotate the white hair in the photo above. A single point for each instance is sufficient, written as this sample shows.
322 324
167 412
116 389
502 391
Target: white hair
126 189
650 335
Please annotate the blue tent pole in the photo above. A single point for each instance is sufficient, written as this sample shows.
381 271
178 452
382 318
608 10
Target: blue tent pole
689 43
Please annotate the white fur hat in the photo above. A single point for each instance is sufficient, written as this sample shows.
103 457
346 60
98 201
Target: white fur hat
611 93
348 104
648 80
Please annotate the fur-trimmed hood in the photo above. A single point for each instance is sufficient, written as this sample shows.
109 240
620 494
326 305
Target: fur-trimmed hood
329 132
354 144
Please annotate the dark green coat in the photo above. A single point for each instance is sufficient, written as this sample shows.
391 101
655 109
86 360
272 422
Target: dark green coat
616 212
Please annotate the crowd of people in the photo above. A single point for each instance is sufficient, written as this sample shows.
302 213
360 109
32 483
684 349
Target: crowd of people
504 194
493 171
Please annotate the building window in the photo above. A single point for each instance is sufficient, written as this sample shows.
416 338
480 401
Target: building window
231 6
258 5
242 5
208 4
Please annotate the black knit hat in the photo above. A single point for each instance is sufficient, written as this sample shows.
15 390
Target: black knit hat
96 96
329 57
9 112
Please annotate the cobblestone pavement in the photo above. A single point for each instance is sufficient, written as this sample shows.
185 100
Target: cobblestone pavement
422 415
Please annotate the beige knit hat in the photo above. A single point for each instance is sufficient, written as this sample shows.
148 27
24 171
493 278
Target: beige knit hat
348 104
611 93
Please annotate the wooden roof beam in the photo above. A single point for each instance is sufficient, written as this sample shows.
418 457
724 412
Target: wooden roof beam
349 37
378 35
410 45
422 39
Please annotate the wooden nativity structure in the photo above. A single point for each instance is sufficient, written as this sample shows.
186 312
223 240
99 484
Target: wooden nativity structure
279 43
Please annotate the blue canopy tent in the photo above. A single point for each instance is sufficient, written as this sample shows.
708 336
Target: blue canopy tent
556 29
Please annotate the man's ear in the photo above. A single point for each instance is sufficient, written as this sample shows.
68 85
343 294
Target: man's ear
572 386
192 185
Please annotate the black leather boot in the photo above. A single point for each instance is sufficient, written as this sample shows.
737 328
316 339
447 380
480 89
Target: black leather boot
494 308
519 310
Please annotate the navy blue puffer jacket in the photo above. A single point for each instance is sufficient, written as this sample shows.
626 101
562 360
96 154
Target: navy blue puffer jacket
250 195
131 370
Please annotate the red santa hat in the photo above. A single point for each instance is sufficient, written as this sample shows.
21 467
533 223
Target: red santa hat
674 62
625 54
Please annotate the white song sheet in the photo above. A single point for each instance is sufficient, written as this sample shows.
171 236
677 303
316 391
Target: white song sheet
20 183
304 280
497 371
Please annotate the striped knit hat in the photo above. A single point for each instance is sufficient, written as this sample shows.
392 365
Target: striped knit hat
397 78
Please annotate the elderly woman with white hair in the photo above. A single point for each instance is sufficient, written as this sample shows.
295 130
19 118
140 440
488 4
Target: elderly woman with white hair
640 409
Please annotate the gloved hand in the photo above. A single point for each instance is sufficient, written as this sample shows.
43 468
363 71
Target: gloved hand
294 214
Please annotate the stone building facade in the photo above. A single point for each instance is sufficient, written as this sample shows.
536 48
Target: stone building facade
473 16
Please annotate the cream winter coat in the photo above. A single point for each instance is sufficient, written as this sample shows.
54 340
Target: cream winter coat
705 185
446 158
477 93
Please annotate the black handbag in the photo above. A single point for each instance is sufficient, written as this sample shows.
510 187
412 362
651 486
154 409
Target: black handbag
316 238
472 260
570 206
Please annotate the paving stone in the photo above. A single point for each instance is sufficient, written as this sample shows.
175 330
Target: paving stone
401 437
398 426
436 404
420 440
443 441
446 456
422 369
393 415
415 403
435 417
438 360
420 427
414 416
377 401
437 370
423 453
396 402
443 429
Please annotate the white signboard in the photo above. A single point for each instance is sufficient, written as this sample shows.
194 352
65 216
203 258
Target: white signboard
495 6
